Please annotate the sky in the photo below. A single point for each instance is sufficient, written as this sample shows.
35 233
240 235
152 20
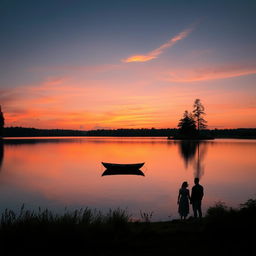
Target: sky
105 64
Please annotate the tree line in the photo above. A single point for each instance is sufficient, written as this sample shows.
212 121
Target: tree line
190 124
249 133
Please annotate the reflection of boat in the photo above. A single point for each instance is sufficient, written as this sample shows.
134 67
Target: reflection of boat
122 172
122 167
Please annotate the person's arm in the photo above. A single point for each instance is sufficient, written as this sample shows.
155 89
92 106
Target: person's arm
192 194
189 197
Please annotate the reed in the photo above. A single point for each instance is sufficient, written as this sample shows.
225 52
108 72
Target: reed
82 216
146 217
97 233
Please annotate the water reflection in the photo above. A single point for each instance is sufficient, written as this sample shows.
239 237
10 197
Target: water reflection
187 150
66 172
199 166
122 172
1 153
193 152
39 140
94 140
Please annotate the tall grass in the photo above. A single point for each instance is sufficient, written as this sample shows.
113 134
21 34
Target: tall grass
83 216
146 217
29 229
88 217
97 232
222 220
220 210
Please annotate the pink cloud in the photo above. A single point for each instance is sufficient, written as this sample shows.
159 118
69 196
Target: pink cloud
156 52
204 74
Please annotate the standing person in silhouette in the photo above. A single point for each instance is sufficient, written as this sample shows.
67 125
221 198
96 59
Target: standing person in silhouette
183 200
196 198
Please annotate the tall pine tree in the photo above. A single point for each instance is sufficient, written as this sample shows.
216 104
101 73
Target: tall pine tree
198 114
187 124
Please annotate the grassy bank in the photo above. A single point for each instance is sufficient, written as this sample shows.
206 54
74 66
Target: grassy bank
89 232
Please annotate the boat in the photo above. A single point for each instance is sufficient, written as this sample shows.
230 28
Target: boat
122 167
122 172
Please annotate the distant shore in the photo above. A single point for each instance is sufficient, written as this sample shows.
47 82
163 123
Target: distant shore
240 133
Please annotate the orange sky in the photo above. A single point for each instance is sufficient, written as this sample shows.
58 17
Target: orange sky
71 103
79 103
104 69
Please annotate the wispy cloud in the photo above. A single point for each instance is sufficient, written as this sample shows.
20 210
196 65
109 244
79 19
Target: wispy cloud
52 81
156 52
204 74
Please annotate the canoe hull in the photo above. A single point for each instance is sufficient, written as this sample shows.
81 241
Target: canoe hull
122 167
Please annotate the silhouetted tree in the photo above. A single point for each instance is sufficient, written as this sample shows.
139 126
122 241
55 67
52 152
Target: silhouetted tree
198 114
1 122
187 124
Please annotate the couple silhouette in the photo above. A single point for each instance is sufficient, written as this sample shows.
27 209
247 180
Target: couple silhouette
195 199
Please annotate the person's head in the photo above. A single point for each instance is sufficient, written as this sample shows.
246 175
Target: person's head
184 184
196 180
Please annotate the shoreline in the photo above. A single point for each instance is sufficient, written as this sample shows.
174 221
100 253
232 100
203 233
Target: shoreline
241 133
97 136
113 234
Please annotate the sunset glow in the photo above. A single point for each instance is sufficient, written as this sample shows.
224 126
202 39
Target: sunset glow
87 66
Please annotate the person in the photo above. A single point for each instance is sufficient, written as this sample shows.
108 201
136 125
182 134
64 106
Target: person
196 198
183 200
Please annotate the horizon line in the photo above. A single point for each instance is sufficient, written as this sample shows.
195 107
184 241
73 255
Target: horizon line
142 128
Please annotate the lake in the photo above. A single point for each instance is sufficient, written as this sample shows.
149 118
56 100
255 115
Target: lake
65 173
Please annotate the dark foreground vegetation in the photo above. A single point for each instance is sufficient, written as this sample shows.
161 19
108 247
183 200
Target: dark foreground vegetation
246 133
223 231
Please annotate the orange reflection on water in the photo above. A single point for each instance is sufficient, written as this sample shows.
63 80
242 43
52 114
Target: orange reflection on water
67 172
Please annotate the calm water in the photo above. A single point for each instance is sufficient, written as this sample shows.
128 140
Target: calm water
67 172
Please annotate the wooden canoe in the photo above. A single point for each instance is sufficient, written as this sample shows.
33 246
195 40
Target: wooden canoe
120 167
